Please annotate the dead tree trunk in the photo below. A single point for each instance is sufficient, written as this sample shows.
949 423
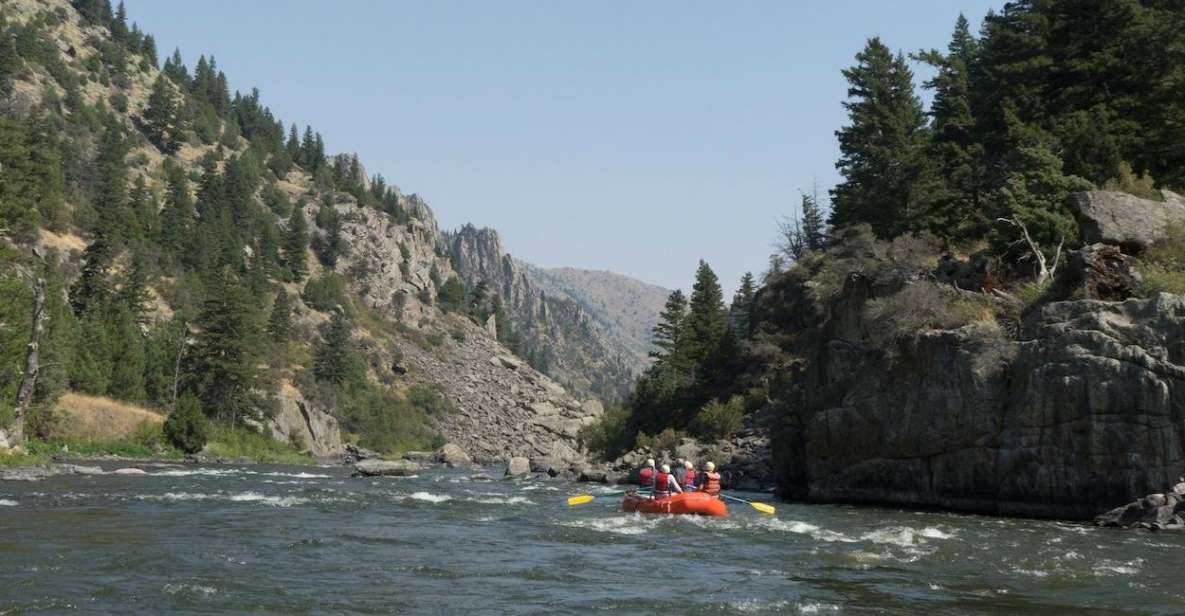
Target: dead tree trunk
1045 271
24 395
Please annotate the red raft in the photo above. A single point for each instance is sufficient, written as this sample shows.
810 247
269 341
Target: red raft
688 503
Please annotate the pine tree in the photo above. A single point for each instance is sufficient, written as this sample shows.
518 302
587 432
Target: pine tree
952 199
119 25
148 50
293 145
127 360
224 370
742 305
279 324
177 218
92 292
814 235
10 62
452 295
667 333
111 188
296 245
881 146
706 326
133 296
175 69
333 359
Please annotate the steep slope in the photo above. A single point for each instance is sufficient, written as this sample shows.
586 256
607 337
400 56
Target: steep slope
550 328
625 309
427 370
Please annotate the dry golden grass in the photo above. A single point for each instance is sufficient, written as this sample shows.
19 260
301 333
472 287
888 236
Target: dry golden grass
97 418
65 242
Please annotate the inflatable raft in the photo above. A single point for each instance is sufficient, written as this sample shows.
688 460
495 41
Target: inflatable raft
692 503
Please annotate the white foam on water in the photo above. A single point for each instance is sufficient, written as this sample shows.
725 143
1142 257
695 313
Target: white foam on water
934 586
1111 567
500 500
298 475
905 536
210 472
618 525
196 589
4 502
429 497
487 518
802 528
1037 573
817 608
240 497
754 606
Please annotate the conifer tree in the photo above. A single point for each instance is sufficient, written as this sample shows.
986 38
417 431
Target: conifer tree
705 331
133 296
175 69
293 145
296 244
148 50
814 234
10 62
881 146
667 333
224 368
279 324
119 25
742 305
333 359
177 217
111 188
127 360
951 201
91 293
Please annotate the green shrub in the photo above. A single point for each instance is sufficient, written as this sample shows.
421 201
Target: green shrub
1155 278
608 436
187 428
326 292
921 306
717 421
666 441
1128 181
235 442
1162 264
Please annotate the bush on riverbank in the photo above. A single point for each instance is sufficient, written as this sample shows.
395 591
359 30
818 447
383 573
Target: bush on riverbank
232 442
187 428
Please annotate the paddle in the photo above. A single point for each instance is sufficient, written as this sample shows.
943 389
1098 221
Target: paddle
762 507
581 499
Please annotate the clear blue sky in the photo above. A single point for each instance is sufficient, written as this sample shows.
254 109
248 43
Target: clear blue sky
637 137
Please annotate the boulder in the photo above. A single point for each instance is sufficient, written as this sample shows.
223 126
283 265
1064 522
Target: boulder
518 466
592 408
385 468
544 465
420 457
506 361
1122 219
452 456
544 408
353 454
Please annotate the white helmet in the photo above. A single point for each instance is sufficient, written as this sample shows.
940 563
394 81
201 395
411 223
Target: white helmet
709 466
688 465
666 468
650 462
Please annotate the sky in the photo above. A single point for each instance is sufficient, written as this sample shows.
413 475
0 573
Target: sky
637 137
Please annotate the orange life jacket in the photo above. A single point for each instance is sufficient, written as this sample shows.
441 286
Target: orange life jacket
662 484
646 477
711 483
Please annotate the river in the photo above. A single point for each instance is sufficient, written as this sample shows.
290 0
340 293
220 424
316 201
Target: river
312 540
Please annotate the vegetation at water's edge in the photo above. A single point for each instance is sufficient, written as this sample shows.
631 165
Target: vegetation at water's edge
1048 99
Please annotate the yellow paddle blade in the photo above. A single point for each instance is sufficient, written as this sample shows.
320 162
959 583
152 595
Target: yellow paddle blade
763 508
579 499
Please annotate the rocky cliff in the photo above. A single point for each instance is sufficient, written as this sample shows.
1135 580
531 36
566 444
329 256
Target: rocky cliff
1071 410
550 328
394 261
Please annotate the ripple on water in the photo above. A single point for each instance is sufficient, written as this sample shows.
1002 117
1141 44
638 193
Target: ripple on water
4 502
232 497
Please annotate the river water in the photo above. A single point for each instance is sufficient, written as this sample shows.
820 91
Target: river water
312 540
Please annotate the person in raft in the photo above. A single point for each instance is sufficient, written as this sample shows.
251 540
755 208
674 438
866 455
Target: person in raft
681 472
665 483
709 480
646 475
689 477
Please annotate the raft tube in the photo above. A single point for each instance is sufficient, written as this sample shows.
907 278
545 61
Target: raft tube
687 503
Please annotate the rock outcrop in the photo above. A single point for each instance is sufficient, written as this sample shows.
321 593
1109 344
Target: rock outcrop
1153 512
302 424
552 329
1123 219
1084 409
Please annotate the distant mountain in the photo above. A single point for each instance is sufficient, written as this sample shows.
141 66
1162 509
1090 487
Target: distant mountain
626 308
587 329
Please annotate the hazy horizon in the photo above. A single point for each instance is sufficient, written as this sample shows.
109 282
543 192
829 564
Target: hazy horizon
630 138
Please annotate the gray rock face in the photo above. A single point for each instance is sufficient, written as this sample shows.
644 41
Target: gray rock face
300 422
386 468
1123 219
578 350
1084 410
518 466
